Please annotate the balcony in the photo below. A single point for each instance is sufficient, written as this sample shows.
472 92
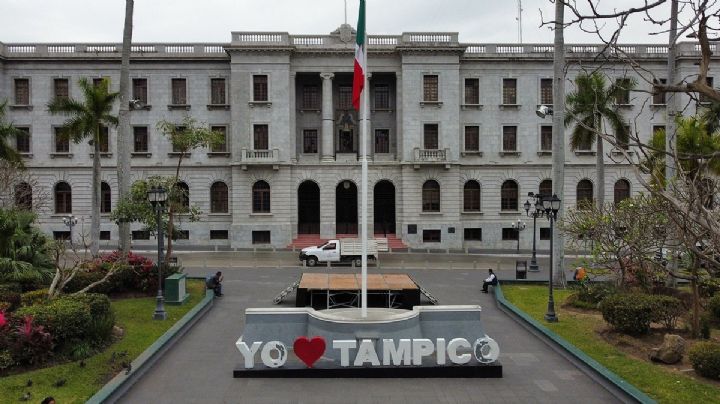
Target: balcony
268 157
430 156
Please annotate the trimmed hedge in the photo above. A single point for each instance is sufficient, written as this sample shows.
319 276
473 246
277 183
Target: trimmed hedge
714 307
667 310
35 297
628 313
705 359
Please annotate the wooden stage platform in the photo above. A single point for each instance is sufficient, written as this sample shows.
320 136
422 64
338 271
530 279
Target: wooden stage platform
327 291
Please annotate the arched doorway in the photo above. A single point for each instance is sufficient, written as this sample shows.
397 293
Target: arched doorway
384 207
346 208
308 208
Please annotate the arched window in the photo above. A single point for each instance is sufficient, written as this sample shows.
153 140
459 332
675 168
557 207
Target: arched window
545 188
471 196
584 194
105 193
509 195
431 196
184 190
23 196
261 197
219 198
63 198
622 190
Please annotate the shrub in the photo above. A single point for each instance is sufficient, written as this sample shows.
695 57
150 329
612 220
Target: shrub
66 319
666 310
32 344
594 293
6 359
705 359
83 278
102 319
714 307
10 296
34 297
628 313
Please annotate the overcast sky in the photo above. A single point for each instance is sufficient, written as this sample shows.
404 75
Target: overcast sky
482 21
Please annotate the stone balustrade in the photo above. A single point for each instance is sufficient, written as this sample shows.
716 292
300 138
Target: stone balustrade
430 155
259 156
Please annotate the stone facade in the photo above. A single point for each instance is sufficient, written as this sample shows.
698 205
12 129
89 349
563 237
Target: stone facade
307 82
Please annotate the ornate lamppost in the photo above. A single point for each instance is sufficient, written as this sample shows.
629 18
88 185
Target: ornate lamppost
537 212
157 197
551 206
518 226
70 221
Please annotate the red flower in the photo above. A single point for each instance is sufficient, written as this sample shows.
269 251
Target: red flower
3 319
27 327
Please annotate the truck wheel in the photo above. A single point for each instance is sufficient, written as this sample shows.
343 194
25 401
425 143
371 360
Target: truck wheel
358 262
311 261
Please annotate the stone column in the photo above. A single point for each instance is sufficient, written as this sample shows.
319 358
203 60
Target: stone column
328 124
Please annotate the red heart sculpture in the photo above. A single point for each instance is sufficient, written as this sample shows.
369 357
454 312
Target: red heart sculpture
309 350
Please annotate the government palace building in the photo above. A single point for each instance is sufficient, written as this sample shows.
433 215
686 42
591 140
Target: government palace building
454 143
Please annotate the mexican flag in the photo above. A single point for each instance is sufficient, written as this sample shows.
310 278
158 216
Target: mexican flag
360 58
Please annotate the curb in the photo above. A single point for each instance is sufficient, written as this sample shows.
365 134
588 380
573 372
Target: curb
598 370
113 390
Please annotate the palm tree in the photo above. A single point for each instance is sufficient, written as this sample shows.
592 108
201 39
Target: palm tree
124 131
85 119
7 132
711 115
593 102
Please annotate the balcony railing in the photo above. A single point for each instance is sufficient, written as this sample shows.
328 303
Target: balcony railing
430 155
260 156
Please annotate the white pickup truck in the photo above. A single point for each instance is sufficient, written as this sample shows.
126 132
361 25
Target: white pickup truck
345 250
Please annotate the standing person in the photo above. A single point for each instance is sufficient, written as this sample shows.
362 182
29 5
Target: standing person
215 283
490 280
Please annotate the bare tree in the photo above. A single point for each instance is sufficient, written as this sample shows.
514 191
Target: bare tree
20 188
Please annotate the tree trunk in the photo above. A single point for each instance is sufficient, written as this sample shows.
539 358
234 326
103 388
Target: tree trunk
171 212
558 140
671 128
123 137
95 207
600 165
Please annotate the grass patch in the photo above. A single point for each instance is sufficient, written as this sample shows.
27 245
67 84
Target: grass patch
661 384
135 317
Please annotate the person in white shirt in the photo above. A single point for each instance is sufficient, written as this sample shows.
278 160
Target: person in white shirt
490 280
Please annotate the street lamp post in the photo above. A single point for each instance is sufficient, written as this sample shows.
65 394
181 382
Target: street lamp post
70 221
536 213
157 197
551 206
519 226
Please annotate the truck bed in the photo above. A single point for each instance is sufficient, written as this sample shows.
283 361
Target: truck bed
353 246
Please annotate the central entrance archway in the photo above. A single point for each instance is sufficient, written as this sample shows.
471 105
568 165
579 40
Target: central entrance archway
308 208
384 207
346 208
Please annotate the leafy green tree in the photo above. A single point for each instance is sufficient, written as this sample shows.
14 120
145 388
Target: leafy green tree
86 118
592 103
24 254
7 134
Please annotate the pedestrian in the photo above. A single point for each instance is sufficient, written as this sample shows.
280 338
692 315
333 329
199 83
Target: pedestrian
579 274
490 280
215 283
48 400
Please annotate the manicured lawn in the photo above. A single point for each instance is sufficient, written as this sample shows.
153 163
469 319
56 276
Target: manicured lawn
135 317
578 329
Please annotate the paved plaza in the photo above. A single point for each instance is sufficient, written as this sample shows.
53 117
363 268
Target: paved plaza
199 367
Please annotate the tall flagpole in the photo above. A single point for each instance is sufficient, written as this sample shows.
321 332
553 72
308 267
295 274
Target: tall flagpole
364 179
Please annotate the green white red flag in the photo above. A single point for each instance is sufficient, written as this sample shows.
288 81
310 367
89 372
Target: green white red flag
360 58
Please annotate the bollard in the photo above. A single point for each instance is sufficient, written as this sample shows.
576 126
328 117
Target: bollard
216 248
451 265
447 251
474 264
426 264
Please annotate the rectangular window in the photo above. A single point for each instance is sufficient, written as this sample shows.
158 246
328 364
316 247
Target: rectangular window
472 91
310 141
382 140
217 92
345 97
62 143
473 234
61 88
261 237
622 137
22 140
176 148
260 137
472 138
546 91
179 92
105 235
222 146
431 236
658 128
546 138
623 95
509 138
658 94
61 235
182 235
430 88
97 81
140 139
22 91
260 88
430 136
544 233
382 96
140 235
218 234
311 97
703 97
509 233
139 90
509 91
104 139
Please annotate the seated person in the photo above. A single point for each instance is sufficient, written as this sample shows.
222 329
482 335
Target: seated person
215 283
490 280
